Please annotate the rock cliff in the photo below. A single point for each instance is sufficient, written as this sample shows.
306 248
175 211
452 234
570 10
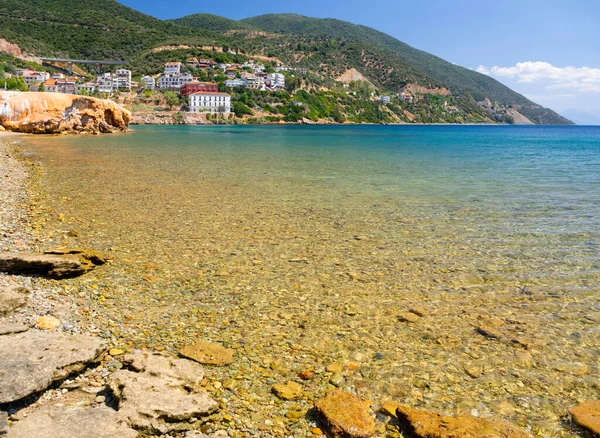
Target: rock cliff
51 113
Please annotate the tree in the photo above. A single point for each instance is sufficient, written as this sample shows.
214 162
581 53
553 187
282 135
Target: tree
240 109
41 87
171 99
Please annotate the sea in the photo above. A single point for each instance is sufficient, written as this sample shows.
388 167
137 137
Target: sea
452 268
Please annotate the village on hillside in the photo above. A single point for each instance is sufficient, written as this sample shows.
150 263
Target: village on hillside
178 84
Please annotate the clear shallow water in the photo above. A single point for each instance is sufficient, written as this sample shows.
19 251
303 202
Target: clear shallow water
307 245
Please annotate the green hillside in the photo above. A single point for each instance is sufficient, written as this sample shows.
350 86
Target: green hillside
212 22
457 79
105 29
96 29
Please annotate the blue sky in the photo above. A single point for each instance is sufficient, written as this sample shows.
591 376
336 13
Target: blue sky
528 45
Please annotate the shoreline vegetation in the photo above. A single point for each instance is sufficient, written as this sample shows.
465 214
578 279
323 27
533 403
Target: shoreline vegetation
105 385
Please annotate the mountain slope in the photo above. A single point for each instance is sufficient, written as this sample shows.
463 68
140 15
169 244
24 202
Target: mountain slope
95 29
212 22
457 79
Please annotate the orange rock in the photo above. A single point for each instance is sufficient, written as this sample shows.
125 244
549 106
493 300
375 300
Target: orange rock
49 113
420 423
587 415
307 374
207 353
47 322
344 415
352 366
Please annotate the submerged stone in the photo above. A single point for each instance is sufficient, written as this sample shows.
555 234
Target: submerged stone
207 353
587 415
344 415
420 423
289 391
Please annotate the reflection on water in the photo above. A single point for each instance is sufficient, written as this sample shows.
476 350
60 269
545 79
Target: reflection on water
303 246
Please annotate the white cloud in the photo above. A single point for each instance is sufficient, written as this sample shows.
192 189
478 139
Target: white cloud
581 79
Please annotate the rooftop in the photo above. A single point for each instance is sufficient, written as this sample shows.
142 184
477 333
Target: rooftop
209 93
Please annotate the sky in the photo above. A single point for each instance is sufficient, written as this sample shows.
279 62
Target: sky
547 50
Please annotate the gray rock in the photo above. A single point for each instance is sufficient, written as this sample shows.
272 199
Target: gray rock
172 370
72 422
158 391
61 263
12 298
8 329
31 361
3 423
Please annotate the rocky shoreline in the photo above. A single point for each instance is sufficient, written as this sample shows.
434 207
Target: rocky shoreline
58 379
53 113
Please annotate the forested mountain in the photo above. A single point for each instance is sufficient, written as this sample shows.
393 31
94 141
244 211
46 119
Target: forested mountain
213 22
95 29
327 48
332 46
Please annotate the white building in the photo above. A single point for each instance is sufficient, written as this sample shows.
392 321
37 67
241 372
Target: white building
237 82
210 102
33 77
88 87
276 81
148 82
174 81
123 78
106 83
173 67
384 99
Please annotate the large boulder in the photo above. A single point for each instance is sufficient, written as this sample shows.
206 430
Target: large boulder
420 423
344 415
50 113
31 361
587 415
158 391
72 422
61 263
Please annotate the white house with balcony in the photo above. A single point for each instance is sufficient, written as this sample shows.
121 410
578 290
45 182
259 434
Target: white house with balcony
123 78
210 102
173 67
237 82
276 81
174 81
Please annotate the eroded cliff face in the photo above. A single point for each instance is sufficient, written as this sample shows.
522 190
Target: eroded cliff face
51 113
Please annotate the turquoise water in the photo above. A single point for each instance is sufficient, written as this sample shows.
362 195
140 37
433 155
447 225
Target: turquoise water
310 242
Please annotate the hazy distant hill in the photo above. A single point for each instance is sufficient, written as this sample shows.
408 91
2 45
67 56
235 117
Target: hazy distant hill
581 117
105 29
